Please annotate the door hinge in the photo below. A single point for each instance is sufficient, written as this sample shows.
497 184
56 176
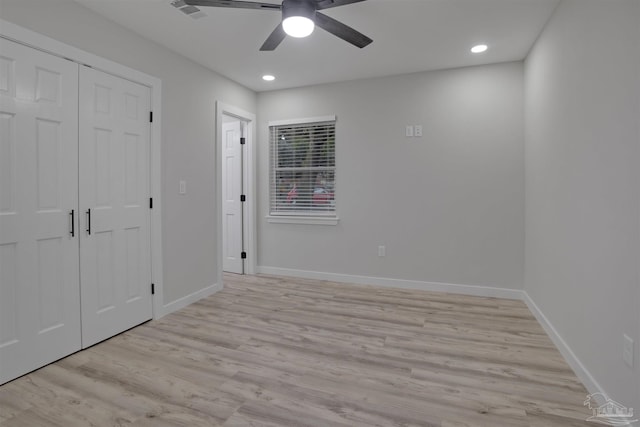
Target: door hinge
243 255
150 202
243 198
243 140
150 116
153 289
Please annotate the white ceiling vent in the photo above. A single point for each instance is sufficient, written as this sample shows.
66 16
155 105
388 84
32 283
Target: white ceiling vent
188 10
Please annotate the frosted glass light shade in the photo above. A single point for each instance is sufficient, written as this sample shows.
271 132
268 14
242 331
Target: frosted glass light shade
298 26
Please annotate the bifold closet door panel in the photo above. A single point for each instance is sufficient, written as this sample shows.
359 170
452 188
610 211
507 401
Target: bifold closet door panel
115 266
39 278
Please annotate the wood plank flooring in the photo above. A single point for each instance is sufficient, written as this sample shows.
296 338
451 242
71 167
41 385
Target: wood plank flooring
273 351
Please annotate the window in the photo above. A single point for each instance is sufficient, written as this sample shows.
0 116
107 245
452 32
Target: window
303 168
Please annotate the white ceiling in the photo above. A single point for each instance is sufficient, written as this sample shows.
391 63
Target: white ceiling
408 36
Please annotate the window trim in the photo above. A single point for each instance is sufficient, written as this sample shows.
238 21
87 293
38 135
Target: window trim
302 121
305 218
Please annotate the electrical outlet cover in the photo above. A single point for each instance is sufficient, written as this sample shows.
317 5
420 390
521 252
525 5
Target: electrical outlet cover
627 350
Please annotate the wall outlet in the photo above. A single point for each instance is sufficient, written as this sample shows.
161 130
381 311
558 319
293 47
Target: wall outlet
382 251
183 187
627 350
417 130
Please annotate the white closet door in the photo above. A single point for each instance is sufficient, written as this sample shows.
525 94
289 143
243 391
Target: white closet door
114 200
231 191
39 288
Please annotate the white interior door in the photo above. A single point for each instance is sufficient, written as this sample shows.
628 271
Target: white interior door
114 202
231 192
39 288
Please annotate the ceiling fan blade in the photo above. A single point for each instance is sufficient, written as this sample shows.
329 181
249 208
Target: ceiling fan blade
345 32
326 4
274 39
237 4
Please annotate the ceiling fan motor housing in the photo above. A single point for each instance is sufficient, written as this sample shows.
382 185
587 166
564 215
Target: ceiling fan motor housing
304 8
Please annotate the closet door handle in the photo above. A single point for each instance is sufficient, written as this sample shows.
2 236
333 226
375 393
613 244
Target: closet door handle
73 223
88 221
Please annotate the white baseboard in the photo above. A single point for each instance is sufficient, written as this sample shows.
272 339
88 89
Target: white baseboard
579 369
481 291
189 299
484 291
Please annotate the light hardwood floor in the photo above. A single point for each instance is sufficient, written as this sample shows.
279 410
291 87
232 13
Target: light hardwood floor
273 351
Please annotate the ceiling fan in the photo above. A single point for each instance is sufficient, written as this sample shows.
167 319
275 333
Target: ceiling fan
299 17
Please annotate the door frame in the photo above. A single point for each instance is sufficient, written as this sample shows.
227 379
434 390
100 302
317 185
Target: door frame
24 36
248 171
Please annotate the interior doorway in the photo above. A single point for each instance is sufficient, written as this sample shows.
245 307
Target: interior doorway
236 200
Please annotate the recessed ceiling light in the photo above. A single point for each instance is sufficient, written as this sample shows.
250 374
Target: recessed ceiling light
268 78
479 48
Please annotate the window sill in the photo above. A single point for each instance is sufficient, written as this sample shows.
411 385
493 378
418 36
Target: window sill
305 220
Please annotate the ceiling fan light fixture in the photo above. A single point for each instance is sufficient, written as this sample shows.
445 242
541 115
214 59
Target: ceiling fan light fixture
298 17
298 26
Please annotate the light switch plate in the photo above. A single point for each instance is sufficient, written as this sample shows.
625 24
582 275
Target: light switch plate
409 131
183 187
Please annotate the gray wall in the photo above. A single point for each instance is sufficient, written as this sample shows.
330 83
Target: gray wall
583 184
448 206
188 129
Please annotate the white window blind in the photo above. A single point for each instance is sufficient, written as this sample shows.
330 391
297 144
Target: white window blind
303 168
